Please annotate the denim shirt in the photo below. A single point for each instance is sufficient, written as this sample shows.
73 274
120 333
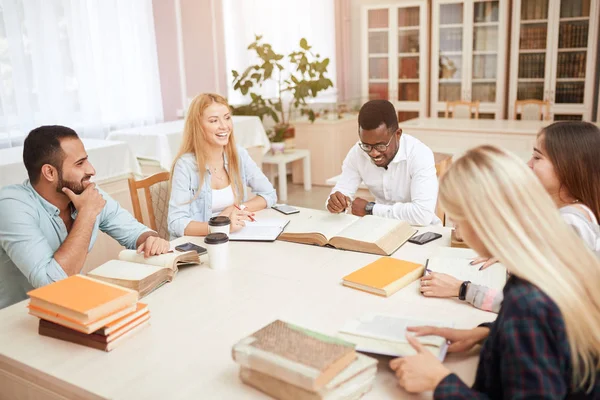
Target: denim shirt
31 231
184 208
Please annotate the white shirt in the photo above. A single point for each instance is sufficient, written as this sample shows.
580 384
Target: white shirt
406 190
221 199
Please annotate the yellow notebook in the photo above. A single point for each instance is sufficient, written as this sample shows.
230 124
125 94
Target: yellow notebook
385 276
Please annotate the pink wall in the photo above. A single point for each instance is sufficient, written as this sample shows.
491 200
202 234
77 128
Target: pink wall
203 45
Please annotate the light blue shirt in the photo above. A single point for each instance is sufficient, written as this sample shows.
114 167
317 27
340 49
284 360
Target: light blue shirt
184 208
31 231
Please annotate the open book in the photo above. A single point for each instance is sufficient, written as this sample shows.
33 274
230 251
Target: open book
261 230
135 272
386 334
456 262
368 234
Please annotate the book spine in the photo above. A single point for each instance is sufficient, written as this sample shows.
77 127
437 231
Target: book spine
276 366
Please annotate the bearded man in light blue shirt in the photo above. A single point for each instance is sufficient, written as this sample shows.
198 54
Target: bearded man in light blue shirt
49 223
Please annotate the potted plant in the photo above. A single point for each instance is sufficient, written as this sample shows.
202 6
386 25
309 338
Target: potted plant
307 79
277 137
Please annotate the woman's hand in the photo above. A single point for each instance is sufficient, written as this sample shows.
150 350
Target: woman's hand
487 262
437 284
421 372
238 217
461 340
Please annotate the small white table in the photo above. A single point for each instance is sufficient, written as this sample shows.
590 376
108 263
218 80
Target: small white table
281 160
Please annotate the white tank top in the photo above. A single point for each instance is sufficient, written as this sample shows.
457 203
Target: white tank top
221 199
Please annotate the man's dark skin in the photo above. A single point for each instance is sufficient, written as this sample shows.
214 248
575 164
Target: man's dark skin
338 202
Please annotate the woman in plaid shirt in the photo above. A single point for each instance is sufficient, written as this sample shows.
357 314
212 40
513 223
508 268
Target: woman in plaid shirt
545 343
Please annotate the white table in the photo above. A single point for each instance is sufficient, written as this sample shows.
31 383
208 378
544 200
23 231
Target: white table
161 142
186 351
114 164
281 160
457 135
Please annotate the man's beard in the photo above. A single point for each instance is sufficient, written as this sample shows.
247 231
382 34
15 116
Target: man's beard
75 187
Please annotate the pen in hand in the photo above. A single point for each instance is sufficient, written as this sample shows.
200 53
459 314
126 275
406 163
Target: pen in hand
249 216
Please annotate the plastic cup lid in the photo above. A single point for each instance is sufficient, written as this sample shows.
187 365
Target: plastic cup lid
216 238
221 220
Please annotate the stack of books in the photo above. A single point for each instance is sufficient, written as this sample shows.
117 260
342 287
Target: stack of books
286 361
88 312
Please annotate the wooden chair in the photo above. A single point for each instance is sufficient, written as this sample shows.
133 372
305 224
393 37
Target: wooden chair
462 109
532 110
442 163
156 189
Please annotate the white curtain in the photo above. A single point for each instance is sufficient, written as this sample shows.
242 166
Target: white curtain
282 24
87 64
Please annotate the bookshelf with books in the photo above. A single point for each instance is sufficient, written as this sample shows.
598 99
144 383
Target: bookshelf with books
468 54
553 55
394 52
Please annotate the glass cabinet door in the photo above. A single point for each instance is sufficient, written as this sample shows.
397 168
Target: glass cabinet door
450 60
571 60
378 53
408 53
533 50
486 17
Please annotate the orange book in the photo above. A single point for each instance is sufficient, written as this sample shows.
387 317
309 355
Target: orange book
385 276
83 299
141 309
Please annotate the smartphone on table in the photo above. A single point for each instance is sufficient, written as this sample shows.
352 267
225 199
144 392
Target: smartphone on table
285 209
189 247
424 238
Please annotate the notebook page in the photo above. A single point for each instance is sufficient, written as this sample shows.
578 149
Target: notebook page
117 269
317 221
369 229
391 328
162 260
460 268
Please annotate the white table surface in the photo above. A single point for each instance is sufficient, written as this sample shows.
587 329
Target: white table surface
110 159
196 319
161 142
504 126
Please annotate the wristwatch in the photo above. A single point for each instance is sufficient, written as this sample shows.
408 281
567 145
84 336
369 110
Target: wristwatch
462 292
369 207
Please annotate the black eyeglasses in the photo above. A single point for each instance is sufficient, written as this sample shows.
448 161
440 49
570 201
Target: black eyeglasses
382 148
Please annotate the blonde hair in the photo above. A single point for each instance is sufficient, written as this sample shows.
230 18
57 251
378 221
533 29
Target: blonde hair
517 222
194 141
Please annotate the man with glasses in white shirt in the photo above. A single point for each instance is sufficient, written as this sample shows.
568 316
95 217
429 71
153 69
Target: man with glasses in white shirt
398 169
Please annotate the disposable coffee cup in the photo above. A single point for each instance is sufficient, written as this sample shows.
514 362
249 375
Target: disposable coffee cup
219 224
217 245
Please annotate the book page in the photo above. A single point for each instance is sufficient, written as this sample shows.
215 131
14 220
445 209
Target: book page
456 262
317 221
370 229
163 260
391 328
261 229
117 269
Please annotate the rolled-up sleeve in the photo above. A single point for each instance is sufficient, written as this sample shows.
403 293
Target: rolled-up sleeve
180 203
24 242
256 180
423 193
119 224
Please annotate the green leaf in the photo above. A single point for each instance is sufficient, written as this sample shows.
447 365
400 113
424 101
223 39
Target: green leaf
234 73
304 44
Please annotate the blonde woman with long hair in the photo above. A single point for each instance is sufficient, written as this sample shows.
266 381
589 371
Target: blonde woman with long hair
545 343
210 174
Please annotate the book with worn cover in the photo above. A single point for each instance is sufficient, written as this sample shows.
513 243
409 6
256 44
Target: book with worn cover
385 276
368 234
141 274
294 354
386 334
352 383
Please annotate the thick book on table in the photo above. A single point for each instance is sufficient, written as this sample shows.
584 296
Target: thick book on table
384 276
144 275
386 335
84 303
294 354
368 234
352 383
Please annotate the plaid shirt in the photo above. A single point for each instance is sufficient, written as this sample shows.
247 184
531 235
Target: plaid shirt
526 355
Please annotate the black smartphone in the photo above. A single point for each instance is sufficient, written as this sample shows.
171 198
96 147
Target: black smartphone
285 209
424 238
189 247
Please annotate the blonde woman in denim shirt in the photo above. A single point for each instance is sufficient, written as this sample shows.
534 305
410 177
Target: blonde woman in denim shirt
210 174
